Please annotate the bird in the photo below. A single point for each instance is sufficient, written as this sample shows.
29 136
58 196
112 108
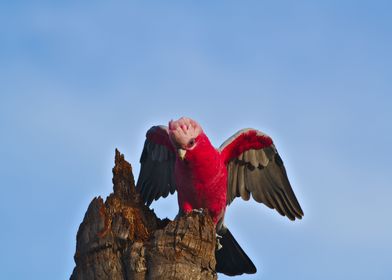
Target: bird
180 157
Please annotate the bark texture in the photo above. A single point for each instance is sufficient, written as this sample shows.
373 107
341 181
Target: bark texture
122 238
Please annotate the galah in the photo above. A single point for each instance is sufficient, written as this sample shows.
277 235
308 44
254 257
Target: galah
181 157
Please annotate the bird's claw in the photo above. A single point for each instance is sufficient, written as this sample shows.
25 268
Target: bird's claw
199 211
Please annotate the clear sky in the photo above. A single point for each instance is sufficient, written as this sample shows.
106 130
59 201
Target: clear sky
80 78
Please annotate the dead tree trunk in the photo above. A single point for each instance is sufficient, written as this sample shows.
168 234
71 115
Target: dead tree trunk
122 238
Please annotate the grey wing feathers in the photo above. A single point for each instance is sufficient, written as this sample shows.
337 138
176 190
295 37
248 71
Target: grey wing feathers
156 178
262 174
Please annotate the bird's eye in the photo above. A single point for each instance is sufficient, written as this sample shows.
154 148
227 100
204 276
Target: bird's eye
191 142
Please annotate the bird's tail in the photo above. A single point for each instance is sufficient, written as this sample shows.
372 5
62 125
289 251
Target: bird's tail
230 258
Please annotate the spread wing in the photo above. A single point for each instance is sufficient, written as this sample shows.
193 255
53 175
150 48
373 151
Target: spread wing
255 167
156 178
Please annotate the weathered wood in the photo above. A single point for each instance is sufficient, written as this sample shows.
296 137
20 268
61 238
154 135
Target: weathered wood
122 238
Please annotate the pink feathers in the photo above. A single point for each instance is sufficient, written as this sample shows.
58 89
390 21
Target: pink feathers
243 141
201 179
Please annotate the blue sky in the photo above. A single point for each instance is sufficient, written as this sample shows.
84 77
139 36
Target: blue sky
78 80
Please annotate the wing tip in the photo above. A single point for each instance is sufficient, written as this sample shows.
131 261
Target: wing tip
296 216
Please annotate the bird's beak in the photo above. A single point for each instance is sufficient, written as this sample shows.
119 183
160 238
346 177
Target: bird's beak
181 153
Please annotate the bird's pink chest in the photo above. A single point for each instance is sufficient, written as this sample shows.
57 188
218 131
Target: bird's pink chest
202 185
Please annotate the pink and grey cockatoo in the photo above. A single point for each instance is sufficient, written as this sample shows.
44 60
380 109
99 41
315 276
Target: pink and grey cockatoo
180 157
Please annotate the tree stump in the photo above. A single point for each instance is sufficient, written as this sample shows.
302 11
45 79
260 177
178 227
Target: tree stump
122 238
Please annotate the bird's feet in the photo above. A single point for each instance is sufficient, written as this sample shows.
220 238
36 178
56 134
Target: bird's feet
184 213
199 211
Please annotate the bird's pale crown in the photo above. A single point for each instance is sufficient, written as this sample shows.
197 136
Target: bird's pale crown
183 132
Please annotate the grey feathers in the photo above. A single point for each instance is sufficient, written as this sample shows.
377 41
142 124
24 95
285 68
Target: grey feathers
261 173
156 178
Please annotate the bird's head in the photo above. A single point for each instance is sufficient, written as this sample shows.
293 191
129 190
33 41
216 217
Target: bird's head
184 134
